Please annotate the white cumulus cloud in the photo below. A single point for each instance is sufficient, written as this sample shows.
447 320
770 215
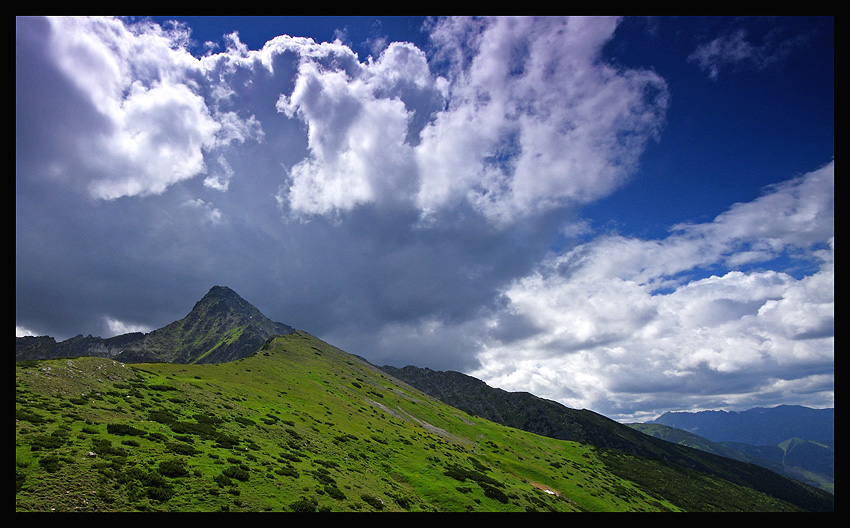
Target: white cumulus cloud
146 123
535 120
529 119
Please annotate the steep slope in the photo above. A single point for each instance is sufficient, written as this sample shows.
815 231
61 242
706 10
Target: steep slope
221 327
548 418
303 426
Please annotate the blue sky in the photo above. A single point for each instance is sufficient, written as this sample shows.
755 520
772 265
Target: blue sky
631 215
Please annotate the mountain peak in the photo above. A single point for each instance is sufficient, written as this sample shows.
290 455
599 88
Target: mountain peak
222 293
221 327
221 302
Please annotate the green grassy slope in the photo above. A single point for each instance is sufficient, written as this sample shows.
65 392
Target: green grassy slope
301 426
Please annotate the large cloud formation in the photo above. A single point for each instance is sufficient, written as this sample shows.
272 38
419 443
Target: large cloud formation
547 127
620 321
403 206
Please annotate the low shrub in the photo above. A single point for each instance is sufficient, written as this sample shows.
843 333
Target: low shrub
53 440
244 421
50 463
124 430
161 494
236 472
287 471
303 505
173 468
29 416
372 501
182 449
334 492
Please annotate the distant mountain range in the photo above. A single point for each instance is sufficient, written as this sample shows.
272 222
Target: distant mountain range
804 460
221 327
759 426
791 440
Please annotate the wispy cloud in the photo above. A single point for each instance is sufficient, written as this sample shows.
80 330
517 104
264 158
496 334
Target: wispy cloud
117 327
737 50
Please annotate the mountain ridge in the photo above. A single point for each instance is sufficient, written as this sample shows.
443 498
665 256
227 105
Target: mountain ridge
756 426
221 327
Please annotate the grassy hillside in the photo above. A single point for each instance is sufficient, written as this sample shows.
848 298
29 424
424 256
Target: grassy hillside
302 426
